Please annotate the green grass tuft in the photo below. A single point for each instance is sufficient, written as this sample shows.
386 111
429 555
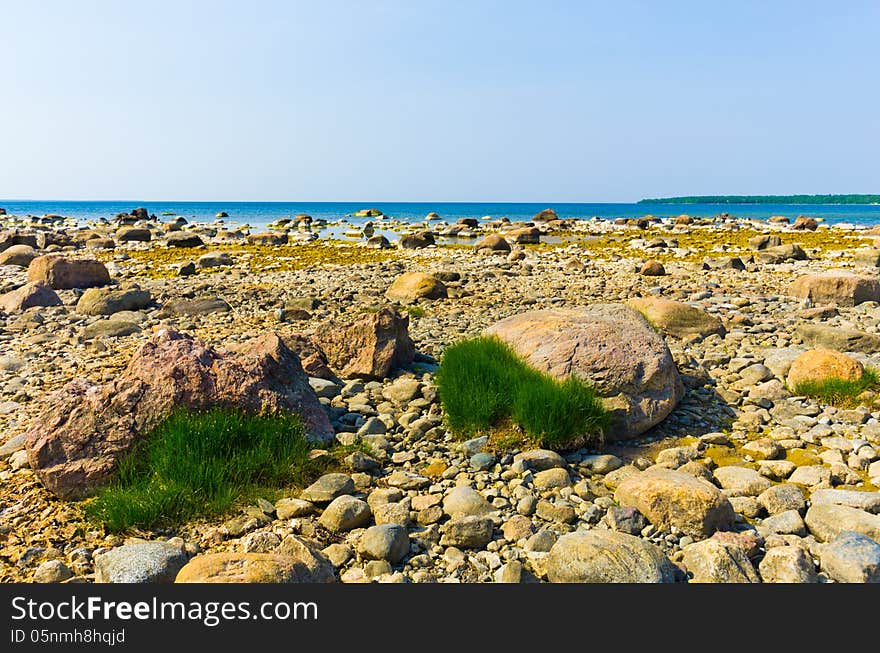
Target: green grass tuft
838 392
200 464
483 384
414 311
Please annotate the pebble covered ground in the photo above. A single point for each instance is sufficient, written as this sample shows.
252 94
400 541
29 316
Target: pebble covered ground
423 505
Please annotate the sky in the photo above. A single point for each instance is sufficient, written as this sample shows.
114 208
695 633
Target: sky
475 100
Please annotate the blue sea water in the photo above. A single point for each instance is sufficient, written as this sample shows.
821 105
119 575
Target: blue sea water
258 214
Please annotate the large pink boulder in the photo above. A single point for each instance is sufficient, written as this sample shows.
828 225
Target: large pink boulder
74 444
610 346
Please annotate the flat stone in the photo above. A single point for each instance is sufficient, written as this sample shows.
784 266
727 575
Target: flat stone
327 488
827 520
607 557
867 501
851 558
740 481
141 562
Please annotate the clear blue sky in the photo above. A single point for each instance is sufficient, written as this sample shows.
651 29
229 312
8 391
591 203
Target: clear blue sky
544 101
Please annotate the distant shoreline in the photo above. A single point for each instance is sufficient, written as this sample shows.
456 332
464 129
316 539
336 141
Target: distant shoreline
830 200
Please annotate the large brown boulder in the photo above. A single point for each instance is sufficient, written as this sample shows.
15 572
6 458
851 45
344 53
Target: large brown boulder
547 215
669 498
677 319
29 295
370 347
836 287
493 242
821 365
416 241
610 346
410 286
74 444
20 255
62 273
525 235
249 568
268 238
133 235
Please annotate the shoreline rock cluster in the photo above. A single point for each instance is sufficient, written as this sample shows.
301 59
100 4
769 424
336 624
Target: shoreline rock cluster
730 476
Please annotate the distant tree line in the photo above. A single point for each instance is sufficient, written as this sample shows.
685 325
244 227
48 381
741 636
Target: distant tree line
766 199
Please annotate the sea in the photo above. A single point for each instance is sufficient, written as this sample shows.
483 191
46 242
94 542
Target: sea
259 214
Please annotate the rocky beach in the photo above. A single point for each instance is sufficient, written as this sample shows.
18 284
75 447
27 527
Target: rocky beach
694 330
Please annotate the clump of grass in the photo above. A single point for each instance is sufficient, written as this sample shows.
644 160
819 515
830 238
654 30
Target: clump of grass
840 392
414 311
200 464
483 384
